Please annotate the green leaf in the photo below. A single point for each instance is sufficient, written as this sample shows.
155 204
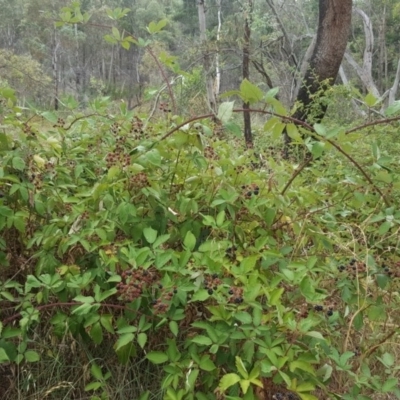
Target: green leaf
294 133
3 355
123 340
233 128
189 241
393 109
96 371
173 326
241 368
305 387
244 384
225 111
93 386
203 340
31 356
106 322
116 33
243 316
18 163
157 357
376 313
206 364
96 333
389 385
250 93
156 27
370 100
142 339
228 380
303 365
150 234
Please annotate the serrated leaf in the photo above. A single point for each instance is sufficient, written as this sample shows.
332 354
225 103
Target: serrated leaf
303 365
249 92
241 368
243 316
96 371
203 340
228 380
200 295
123 340
150 234
106 322
142 339
31 356
206 364
173 326
225 111
393 108
157 357
96 333
189 241
370 100
389 385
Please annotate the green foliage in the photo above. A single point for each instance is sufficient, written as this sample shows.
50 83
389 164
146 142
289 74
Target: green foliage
190 256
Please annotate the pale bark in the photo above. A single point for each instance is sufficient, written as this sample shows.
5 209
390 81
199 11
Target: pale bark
206 56
365 71
217 82
287 45
394 88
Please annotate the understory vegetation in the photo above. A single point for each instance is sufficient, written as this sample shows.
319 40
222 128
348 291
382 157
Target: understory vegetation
155 258
151 254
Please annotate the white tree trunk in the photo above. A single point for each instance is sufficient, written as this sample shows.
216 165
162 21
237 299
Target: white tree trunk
206 56
365 71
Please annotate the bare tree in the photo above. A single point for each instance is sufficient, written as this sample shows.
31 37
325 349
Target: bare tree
246 70
206 56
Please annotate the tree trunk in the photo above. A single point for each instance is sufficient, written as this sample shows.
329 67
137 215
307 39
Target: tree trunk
365 71
333 30
55 71
206 56
332 34
246 72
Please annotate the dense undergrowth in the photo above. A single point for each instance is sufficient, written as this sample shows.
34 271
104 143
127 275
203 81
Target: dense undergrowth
139 260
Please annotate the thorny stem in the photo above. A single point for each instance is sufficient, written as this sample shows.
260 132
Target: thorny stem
304 125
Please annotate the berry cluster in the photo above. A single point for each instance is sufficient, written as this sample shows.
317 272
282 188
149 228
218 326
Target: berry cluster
115 128
239 169
329 308
36 179
230 252
60 123
236 295
353 268
211 283
392 271
117 157
164 107
242 213
209 153
250 190
27 129
134 282
139 181
161 304
285 396
136 128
